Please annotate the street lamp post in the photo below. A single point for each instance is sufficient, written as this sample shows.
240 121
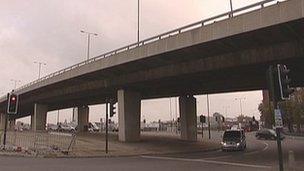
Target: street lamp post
138 6
15 82
39 67
240 99
231 8
226 108
89 38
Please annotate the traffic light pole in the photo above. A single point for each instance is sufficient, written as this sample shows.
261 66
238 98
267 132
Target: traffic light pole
5 125
107 124
276 107
5 130
278 131
209 132
202 131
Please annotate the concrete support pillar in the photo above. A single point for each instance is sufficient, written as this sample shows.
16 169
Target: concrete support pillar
188 118
2 121
11 124
32 120
83 118
38 119
129 104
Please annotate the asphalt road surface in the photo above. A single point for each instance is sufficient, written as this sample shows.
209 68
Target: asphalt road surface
259 155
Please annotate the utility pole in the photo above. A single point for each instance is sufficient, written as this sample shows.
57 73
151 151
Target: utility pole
89 38
39 67
208 117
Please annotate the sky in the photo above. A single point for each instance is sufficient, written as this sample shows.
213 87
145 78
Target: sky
48 31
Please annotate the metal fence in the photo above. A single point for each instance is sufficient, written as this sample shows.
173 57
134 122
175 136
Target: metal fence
40 140
177 31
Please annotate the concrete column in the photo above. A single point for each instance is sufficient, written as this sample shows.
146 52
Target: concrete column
83 118
2 121
32 120
188 118
38 120
11 124
129 104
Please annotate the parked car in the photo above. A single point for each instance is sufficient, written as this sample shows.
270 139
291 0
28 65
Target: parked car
234 140
267 134
93 127
52 127
66 128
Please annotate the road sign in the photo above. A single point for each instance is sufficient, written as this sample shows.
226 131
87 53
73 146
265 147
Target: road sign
278 118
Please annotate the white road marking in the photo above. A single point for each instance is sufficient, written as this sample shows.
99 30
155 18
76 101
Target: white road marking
254 152
209 161
246 153
266 146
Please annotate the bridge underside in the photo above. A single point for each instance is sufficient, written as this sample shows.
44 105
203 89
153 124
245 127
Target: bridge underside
236 63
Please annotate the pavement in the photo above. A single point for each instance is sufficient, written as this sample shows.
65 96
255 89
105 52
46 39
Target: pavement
93 145
151 143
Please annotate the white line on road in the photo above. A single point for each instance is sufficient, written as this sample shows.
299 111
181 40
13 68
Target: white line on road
254 152
209 161
246 153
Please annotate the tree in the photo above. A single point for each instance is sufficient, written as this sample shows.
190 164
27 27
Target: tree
294 110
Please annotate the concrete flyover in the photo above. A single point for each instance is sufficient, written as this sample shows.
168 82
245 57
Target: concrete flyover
220 54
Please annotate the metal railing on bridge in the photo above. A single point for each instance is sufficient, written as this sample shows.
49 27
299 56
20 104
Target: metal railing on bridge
177 31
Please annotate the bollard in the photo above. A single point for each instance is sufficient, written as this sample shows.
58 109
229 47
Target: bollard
291 161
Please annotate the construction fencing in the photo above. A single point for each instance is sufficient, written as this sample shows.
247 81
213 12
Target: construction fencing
38 141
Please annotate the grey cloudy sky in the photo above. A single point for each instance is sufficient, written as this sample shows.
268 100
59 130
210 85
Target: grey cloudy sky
49 31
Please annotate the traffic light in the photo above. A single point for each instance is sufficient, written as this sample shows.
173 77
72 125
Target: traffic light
202 118
223 119
112 109
278 82
12 105
284 81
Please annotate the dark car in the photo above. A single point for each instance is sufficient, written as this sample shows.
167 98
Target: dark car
267 134
234 140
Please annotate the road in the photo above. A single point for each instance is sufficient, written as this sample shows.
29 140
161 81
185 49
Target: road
260 155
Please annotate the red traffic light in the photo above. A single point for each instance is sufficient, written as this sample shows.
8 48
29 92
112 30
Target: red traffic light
12 105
